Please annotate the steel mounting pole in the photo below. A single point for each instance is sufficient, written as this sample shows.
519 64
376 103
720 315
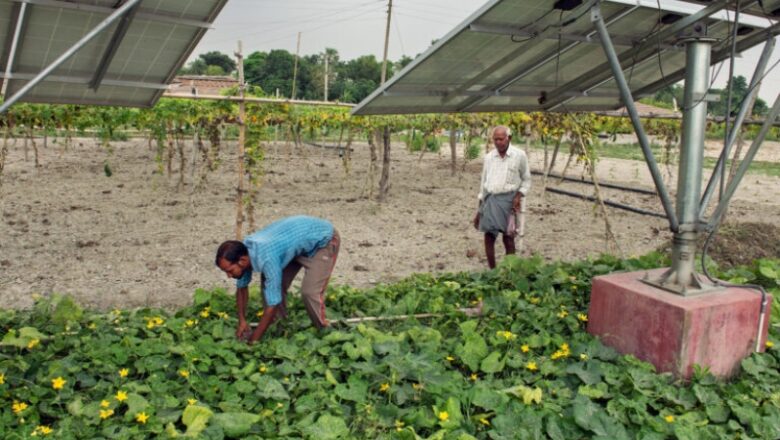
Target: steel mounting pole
681 278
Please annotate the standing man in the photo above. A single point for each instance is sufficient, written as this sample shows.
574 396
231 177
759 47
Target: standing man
506 180
278 252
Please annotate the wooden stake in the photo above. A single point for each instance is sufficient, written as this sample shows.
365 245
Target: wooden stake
241 139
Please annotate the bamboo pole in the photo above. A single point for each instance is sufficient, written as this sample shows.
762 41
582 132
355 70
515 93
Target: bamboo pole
259 100
241 139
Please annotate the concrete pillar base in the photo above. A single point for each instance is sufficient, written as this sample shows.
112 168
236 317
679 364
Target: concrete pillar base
714 330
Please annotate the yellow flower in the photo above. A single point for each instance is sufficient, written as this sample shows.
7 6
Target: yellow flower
474 377
484 421
769 344
42 429
192 401
32 344
121 396
222 315
2 378
669 418
184 373
450 358
263 369
204 313
399 425
582 317
525 348
531 365
58 382
281 405
584 356
563 314
141 417
92 326
506 334
444 416
534 300
154 321
384 387
259 314
565 347
106 413
191 322
104 403
124 372
18 407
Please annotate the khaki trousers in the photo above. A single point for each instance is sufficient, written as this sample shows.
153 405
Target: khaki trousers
315 280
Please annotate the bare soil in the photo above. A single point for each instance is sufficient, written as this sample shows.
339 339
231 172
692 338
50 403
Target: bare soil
135 239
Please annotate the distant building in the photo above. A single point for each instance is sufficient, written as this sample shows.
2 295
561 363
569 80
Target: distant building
200 85
645 111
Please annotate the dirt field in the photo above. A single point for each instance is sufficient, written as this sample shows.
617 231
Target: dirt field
133 239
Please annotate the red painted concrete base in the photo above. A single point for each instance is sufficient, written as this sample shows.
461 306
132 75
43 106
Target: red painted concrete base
672 332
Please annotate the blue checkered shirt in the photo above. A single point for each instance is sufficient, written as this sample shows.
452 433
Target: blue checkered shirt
272 248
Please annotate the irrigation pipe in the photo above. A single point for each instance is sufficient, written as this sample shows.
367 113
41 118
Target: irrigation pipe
764 301
607 185
606 202
468 311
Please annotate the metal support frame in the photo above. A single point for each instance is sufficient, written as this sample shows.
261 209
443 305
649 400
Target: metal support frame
113 45
84 80
628 101
604 71
588 38
20 23
68 53
157 16
747 102
681 278
515 76
743 166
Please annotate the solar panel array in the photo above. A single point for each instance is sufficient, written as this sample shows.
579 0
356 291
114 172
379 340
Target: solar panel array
545 55
144 56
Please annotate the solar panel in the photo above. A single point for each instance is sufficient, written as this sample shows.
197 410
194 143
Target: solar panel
545 55
129 63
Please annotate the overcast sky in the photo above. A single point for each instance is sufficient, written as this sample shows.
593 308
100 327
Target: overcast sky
357 27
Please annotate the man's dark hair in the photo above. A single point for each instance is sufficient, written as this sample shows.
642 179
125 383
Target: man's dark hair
231 250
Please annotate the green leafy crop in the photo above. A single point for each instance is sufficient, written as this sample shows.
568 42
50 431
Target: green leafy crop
525 369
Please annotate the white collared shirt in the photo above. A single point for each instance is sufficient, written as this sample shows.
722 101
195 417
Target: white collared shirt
505 174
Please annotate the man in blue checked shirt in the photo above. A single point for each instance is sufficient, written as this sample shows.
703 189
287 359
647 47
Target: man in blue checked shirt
278 252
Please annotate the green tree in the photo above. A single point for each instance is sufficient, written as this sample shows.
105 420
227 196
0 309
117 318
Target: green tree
214 71
739 91
195 67
271 71
217 58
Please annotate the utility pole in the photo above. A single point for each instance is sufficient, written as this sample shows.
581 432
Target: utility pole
326 76
387 39
295 66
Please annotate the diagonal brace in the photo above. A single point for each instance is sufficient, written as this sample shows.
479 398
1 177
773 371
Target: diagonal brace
747 102
628 101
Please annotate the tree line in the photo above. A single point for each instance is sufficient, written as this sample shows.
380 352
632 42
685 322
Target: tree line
273 71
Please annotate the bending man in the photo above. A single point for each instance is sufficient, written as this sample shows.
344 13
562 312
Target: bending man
278 252
506 179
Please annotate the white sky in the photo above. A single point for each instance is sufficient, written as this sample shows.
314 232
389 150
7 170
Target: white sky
357 27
